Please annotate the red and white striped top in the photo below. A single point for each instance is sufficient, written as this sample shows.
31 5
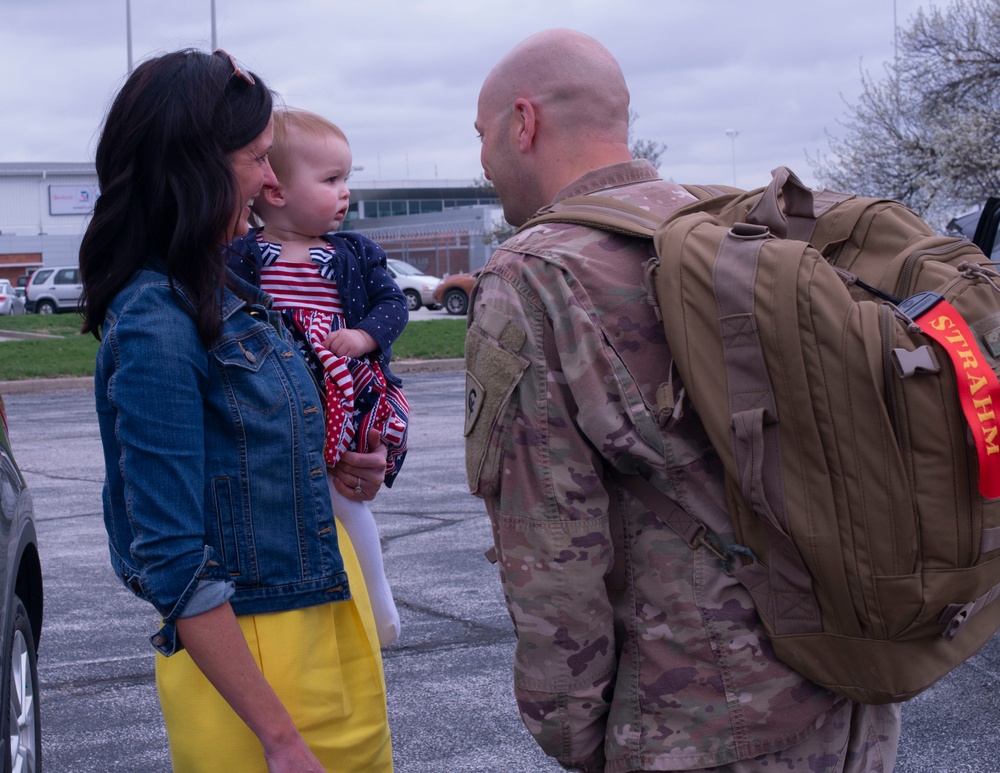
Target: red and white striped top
316 309
300 286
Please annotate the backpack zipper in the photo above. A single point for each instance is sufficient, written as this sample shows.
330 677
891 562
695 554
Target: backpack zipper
889 316
909 267
887 322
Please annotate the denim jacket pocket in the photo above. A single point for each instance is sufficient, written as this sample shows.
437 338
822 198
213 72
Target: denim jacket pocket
230 536
246 362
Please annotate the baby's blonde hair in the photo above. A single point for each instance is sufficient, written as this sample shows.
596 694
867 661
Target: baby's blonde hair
288 122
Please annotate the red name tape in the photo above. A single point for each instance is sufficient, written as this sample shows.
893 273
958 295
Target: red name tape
978 388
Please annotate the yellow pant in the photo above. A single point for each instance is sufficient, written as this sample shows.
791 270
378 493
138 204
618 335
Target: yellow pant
324 662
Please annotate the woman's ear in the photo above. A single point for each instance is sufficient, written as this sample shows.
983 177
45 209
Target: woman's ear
273 195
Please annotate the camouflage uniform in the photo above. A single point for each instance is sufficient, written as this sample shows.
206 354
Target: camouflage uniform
661 664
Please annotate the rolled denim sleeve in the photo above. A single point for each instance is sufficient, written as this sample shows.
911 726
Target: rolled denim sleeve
207 594
151 376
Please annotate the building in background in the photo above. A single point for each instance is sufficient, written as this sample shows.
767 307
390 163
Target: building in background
439 226
43 211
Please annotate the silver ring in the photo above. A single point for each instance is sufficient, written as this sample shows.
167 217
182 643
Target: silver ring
357 489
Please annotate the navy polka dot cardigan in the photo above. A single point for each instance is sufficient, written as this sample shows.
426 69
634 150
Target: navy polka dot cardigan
371 298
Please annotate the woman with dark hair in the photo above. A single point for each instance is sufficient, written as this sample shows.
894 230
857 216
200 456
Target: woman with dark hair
215 498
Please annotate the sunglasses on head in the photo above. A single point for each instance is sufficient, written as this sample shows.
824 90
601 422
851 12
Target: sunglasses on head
237 70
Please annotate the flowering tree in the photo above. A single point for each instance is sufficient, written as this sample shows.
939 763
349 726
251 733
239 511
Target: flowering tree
927 133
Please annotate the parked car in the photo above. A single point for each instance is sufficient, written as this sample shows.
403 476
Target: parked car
453 292
980 227
52 290
20 617
22 282
10 301
415 284
988 227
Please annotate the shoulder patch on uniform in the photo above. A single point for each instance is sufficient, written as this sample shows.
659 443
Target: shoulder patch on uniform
474 394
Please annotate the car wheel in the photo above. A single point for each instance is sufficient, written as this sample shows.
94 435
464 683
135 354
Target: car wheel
412 299
22 730
45 307
456 301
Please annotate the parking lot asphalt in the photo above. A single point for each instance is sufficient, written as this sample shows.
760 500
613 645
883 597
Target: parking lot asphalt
449 677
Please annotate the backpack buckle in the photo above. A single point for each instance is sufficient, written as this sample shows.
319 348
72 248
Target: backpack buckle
698 538
727 556
958 621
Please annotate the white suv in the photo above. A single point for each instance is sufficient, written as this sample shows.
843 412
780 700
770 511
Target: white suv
416 285
52 290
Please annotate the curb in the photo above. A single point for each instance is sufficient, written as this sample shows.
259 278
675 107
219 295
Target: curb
39 385
427 366
65 383
25 336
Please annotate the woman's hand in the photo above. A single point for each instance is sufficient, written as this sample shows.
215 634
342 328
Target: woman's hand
359 476
293 758
216 644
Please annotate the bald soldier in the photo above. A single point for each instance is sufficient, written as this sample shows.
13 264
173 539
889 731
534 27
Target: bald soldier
635 651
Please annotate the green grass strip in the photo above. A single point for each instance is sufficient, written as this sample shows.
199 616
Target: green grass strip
73 353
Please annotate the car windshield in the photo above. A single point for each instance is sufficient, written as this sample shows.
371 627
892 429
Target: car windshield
401 267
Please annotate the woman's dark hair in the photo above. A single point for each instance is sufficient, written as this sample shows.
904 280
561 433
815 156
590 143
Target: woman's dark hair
167 186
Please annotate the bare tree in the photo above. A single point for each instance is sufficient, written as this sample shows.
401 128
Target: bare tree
651 150
502 230
926 134
484 187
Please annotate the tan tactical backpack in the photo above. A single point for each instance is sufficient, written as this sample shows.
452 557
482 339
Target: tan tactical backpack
843 359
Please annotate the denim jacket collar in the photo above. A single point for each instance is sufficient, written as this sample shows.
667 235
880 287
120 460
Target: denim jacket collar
235 295
240 293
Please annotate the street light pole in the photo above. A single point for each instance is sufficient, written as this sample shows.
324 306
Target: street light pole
895 36
733 134
214 44
128 32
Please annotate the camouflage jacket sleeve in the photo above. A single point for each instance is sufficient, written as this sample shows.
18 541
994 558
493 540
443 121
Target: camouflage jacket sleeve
547 404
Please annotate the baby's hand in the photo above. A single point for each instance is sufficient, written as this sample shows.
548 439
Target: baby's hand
350 343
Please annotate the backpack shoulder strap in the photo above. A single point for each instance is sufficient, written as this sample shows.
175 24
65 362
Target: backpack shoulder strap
601 212
608 214
711 191
617 216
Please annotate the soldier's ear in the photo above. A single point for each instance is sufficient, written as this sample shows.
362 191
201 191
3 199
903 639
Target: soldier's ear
524 124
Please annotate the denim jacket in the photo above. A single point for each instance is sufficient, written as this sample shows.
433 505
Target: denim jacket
215 484
371 299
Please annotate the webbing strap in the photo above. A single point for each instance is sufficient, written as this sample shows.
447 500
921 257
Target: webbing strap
990 540
802 206
602 212
782 591
680 522
786 591
978 387
695 532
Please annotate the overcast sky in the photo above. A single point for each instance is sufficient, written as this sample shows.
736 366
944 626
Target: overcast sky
401 77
